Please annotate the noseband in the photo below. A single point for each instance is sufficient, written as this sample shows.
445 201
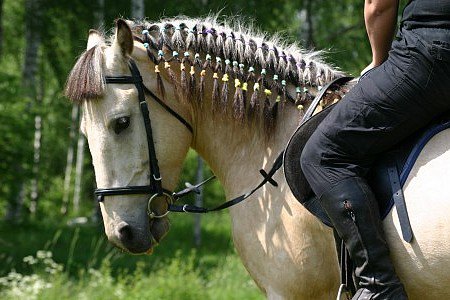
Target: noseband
154 189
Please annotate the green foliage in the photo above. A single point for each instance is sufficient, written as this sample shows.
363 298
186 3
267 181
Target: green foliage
211 271
178 278
335 26
78 263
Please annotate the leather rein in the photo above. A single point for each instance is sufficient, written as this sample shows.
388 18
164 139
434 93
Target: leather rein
155 188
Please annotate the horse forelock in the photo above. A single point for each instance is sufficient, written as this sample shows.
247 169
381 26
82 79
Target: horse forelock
86 79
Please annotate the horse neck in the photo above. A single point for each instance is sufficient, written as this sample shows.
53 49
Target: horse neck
235 151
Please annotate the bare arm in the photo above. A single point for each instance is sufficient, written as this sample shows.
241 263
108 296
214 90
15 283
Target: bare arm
380 18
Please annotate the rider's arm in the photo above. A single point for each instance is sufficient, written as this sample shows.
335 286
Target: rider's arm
380 18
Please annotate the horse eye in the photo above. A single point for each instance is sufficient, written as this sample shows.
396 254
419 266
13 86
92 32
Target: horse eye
121 124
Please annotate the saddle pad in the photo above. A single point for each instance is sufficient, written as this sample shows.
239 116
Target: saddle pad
403 156
291 160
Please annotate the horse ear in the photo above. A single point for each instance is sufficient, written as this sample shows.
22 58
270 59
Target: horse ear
124 38
95 38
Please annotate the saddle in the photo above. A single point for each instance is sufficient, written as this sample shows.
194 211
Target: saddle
386 178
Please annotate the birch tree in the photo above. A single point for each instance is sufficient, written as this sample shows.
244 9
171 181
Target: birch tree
81 142
137 9
69 159
29 79
78 172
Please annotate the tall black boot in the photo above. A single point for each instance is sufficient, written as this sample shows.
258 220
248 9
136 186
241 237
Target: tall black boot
352 208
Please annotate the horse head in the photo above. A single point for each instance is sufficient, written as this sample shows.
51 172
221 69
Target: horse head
112 121
231 85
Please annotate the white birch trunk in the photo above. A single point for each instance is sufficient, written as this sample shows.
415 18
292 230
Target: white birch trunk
137 9
78 172
69 159
99 17
36 162
29 72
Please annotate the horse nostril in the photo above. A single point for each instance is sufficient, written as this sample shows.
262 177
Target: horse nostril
125 232
130 238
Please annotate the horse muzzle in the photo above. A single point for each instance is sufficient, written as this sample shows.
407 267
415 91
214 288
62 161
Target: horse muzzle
132 239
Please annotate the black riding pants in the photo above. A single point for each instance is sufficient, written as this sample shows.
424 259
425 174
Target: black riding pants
389 103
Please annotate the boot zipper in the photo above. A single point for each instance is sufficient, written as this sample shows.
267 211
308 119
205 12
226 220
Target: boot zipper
348 208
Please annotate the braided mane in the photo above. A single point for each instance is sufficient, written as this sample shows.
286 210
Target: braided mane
257 65
251 74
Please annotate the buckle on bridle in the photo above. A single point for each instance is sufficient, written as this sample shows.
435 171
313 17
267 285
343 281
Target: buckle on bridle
153 215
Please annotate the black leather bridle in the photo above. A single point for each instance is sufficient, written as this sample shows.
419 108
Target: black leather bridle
155 188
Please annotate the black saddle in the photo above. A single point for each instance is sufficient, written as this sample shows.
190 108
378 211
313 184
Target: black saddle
386 178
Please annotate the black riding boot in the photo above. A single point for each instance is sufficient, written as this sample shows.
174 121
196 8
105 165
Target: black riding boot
354 213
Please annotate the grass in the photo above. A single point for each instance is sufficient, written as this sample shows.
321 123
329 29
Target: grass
46 260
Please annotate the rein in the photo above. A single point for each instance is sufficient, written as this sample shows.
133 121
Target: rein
155 188
267 176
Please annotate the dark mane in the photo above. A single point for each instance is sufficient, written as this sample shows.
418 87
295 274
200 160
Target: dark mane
86 80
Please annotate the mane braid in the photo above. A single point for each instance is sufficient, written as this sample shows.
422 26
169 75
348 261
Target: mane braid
224 93
238 103
233 57
215 92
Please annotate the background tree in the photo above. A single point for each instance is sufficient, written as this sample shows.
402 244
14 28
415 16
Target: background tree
137 9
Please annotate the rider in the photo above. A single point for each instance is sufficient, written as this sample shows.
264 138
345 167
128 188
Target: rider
403 89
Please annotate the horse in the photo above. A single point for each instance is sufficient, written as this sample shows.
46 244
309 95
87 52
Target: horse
235 96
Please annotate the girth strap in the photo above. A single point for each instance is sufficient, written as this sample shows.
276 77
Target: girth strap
400 204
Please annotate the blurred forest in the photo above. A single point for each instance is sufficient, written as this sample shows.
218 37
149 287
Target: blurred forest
40 148
46 176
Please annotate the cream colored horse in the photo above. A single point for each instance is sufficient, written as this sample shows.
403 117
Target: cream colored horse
287 251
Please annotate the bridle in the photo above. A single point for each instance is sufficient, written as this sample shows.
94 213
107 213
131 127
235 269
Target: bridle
155 188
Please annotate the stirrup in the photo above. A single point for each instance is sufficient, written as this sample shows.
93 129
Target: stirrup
344 292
